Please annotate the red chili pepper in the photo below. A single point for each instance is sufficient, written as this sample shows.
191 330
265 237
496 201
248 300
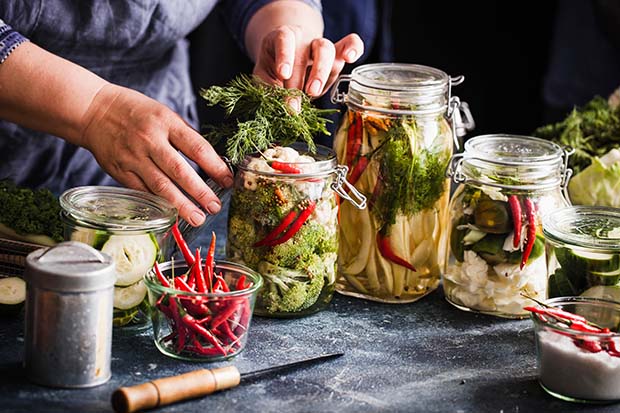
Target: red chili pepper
224 314
581 326
531 231
358 169
295 226
180 284
181 330
229 334
201 285
383 244
355 134
193 325
515 209
198 348
240 285
187 254
160 276
210 262
277 231
220 284
557 313
589 345
284 167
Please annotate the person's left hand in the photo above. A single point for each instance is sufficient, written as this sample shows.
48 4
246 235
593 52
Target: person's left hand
288 58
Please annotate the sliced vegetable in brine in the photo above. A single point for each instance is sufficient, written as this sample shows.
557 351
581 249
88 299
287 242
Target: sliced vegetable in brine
134 255
12 294
126 298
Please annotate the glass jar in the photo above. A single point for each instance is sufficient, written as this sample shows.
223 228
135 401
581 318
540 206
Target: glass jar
583 252
396 140
497 254
131 226
283 223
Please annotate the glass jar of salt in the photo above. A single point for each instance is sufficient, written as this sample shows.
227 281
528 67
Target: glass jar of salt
68 323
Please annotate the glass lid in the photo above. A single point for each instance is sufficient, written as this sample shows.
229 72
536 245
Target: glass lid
585 226
119 209
513 149
399 77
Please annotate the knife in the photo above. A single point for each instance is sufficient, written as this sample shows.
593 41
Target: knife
196 383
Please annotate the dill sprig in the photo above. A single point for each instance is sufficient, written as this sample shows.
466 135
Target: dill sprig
258 116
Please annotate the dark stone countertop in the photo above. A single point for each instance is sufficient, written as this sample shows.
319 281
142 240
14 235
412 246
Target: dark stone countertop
426 357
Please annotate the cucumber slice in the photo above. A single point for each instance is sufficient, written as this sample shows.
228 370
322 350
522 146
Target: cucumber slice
129 297
94 238
12 291
133 255
604 278
598 262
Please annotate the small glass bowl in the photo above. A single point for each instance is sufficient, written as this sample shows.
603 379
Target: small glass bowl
577 366
202 326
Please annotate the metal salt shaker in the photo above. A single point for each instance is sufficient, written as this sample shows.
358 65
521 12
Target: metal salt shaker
69 301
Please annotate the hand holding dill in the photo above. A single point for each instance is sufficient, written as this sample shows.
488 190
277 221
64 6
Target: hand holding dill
258 116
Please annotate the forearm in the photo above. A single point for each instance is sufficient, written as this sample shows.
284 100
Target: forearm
279 13
42 91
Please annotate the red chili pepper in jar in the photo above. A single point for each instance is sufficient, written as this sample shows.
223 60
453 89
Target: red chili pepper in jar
531 231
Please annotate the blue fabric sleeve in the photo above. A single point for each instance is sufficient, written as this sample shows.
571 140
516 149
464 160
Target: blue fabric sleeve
9 40
237 15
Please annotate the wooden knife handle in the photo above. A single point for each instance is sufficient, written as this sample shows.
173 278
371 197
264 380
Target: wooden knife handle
168 390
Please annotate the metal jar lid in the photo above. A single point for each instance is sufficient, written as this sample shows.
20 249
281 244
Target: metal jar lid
70 267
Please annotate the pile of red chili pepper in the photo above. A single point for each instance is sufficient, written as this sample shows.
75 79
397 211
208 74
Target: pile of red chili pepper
580 324
203 325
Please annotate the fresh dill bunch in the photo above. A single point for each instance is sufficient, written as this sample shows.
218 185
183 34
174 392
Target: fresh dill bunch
592 130
258 116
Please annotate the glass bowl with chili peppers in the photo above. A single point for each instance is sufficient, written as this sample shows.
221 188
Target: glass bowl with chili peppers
201 309
578 348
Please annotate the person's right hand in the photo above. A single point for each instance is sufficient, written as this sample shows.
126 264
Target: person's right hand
136 140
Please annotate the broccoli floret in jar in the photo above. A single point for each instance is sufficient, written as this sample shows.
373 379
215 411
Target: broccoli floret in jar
311 240
267 203
288 290
241 237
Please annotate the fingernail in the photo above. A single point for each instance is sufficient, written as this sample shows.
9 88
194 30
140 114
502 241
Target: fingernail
352 54
315 87
227 181
197 218
285 70
295 105
214 207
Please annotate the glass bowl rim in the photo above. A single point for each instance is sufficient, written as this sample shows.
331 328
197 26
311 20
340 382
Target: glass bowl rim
553 302
222 264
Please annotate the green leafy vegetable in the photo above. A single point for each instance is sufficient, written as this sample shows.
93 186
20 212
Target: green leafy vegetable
30 212
413 177
592 130
259 116
599 183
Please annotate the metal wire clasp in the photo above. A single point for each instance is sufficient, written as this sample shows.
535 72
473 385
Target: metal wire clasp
356 198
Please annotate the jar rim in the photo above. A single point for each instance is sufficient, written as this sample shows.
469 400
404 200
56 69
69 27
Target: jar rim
593 227
116 209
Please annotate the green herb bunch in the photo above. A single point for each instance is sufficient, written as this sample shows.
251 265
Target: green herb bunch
258 116
592 130
413 177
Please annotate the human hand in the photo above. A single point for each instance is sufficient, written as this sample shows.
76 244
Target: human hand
290 58
136 140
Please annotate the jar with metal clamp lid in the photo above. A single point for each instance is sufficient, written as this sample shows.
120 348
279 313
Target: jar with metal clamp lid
396 140
496 260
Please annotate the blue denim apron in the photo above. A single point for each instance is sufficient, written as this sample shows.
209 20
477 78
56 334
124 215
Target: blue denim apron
135 43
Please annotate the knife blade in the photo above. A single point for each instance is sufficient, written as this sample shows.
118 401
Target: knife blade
197 383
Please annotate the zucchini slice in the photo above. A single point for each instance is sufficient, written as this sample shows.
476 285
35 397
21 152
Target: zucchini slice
12 294
133 255
126 298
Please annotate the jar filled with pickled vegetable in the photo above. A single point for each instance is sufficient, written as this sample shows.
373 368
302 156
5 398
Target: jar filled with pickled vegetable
583 252
283 223
396 139
507 183
132 227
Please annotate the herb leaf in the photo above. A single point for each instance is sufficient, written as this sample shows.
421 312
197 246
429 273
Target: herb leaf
258 116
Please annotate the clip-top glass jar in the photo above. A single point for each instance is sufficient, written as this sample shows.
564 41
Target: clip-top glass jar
131 227
583 252
283 223
497 260
396 139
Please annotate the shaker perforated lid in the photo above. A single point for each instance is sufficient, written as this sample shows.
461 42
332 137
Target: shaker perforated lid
70 267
